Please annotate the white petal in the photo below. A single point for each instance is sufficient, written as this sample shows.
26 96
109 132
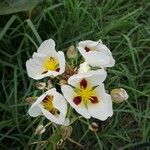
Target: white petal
69 94
50 91
82 51
51 117
66 122
60 103
112 62
95 58
51 73
47 47
35 109
104 48
34 70
100 92
93 45
84 67
61 59
103 109
88 43
100 55
39 57
94 77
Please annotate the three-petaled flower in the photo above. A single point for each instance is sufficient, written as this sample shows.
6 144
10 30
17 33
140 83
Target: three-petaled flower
96 53
86 94
52 105
46 62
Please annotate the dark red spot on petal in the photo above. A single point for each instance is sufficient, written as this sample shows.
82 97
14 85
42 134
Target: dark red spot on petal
58 69
87 49
44 72
94 99
77 100
83 83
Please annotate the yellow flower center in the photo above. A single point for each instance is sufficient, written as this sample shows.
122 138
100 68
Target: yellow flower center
48 105
85 93
50 64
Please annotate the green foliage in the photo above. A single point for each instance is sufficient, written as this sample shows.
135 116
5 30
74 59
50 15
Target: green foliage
124 26
14 6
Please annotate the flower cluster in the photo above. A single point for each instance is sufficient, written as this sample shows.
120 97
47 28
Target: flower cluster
84 86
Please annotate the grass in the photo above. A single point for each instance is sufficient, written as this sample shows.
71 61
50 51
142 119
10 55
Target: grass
124 26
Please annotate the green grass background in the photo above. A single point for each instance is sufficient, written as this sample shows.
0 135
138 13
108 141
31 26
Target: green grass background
123 25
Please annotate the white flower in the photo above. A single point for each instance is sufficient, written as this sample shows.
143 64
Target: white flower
86 94
84 67
52 105
46 61
96 53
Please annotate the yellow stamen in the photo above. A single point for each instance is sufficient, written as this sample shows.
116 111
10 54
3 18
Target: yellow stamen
50 64
86 93
48 105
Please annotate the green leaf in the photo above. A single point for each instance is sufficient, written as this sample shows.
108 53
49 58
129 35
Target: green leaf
14 6
54 139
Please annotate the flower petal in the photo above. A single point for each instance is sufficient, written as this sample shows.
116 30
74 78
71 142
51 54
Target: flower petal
47 47
60 103
34 70
84 67
35 109
97 58
94 77
88 43
51 117
61 59
103 109
66 122
38 57
104 48
69 94
97 55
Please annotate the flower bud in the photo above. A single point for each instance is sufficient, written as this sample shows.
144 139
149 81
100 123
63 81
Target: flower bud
93 127
49 84
39 130
60 144
40 85
119 95
66 132
84 67
72 52
30 100
63 82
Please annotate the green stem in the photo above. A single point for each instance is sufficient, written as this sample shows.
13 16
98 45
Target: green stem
71 140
